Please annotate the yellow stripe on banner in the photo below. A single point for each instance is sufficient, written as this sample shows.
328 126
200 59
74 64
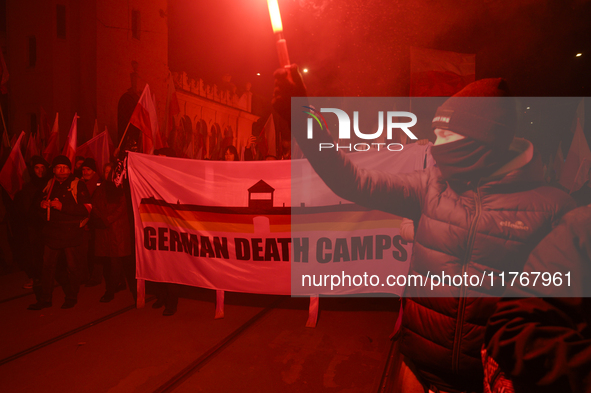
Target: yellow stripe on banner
280 228
207 226
345 226
197 225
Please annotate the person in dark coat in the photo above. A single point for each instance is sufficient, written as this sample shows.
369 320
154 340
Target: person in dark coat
65 204
484 207
542 340
92 272
33 224
167 294
90 177
113 241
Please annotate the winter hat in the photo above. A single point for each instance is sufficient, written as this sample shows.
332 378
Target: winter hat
36 160
489 115
61 160
89 163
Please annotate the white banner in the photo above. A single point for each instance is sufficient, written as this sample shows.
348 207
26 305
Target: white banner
228 225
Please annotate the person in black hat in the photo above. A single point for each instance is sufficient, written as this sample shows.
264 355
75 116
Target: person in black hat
90 271
89 175
30 224
65 205
483 207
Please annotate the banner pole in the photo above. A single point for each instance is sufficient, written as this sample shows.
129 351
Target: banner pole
313 312
123 137
219 304
141 294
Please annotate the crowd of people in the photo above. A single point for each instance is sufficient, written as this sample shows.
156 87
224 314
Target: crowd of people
73 224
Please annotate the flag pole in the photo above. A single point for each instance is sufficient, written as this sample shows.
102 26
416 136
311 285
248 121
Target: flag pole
49 196
123 137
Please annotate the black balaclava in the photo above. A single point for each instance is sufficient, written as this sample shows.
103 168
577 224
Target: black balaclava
486 116
468 160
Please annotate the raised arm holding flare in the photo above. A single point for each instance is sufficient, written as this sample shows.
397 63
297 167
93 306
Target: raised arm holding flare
483 207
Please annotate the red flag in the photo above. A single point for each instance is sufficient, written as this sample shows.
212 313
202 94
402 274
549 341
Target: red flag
70 146
159 139
98 148
11 176
38 140
13 139
144 117
32 148
578 152
3 75
95 130
437 73
270 136
52 148
172 106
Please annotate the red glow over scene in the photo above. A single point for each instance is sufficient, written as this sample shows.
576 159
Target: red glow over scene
381 196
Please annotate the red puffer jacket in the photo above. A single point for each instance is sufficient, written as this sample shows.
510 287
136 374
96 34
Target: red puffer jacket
491 226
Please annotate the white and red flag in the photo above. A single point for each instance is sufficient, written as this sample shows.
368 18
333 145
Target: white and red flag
98 148
438 73
144 117
172 106
95 130
32 146
11 175
577 154
52 147
70 146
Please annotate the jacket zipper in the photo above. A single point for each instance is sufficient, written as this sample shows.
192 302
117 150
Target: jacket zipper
463 289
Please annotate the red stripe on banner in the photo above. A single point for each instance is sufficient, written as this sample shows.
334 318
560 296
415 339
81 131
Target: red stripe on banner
204 216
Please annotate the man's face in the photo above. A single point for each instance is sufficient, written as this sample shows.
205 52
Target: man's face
78 164
229 156
108 169
446 136
87 173
39 170
61 172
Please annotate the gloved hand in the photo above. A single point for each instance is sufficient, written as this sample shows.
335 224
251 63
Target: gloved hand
288 83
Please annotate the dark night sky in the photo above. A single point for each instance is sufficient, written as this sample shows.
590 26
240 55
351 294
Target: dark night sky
361 47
